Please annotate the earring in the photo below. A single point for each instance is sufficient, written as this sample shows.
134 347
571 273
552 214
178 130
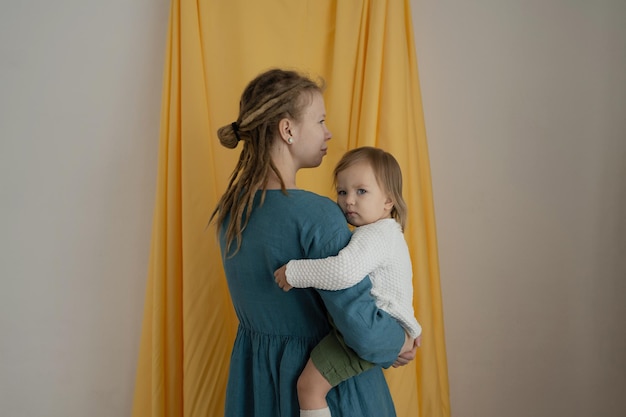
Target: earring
290 140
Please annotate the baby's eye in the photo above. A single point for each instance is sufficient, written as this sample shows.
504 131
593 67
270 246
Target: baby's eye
341 192
360 191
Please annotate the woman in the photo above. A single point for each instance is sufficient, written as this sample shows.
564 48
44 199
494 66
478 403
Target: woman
263 221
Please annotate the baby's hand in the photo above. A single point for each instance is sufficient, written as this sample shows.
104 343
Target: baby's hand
281 278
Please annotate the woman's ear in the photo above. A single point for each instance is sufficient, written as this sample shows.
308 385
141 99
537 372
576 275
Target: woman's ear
284 128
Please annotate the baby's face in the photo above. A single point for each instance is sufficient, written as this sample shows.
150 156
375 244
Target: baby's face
360 196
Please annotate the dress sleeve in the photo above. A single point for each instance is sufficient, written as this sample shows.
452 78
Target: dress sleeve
371 332
364 253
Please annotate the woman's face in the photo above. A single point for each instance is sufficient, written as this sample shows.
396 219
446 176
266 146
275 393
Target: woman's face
310 134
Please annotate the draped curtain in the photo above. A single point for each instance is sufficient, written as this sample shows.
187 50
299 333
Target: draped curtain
365 52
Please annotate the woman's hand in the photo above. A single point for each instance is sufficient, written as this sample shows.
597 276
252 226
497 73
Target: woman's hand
408 351
281 278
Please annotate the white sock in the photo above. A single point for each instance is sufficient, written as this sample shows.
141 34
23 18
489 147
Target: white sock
322 412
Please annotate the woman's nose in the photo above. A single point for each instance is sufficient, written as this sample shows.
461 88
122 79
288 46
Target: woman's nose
328 135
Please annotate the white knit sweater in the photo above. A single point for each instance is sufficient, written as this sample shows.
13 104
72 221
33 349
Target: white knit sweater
378 250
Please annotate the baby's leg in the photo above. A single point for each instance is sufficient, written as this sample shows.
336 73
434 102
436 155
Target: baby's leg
331 362
312 388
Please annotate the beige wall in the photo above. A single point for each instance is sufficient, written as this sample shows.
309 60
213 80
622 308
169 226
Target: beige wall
525 106
80 88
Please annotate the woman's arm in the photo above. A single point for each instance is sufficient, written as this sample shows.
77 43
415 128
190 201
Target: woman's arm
372 333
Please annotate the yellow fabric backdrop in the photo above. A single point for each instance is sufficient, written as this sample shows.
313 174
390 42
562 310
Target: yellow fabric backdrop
365 52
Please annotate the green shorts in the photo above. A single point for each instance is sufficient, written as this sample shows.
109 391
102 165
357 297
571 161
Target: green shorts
336 361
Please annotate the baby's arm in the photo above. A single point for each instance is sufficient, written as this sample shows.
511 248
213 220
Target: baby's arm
364 253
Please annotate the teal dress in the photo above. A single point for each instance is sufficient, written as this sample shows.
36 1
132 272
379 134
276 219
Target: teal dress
277 329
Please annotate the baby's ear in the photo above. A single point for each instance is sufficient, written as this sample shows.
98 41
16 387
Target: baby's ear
388 204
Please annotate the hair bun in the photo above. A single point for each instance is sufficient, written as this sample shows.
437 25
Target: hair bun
228 137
